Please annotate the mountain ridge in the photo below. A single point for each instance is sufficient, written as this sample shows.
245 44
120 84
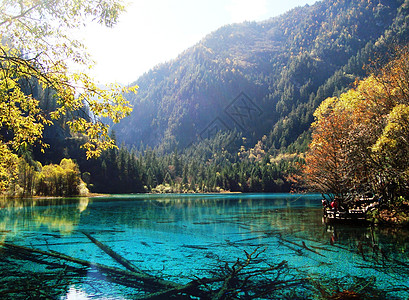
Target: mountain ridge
285 66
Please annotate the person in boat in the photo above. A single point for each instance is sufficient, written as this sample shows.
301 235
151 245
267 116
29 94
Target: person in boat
326 205
334 204
325 202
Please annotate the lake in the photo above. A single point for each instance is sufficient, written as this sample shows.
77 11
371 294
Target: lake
55 248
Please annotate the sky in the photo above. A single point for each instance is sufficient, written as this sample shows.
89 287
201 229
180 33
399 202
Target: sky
151 32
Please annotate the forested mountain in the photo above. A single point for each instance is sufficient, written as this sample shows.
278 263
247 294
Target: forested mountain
262 78
233 112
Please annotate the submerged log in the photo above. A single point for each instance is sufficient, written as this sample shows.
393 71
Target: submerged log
192 288
302 246
251 278
242 280
144 279
118 258
128 265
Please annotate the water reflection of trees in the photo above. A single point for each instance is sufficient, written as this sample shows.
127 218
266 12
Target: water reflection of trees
372 243
168 213
195 207
60 214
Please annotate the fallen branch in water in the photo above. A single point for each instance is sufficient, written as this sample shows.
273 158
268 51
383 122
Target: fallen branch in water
29 284
243 279
251 278
126 263
127 278
301 246
159 283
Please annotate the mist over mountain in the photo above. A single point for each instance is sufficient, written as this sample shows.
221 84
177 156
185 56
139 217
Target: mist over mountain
262 78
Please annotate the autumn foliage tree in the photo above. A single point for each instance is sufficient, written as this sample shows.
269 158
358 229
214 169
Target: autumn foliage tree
326 162
360 140
37 47
63 179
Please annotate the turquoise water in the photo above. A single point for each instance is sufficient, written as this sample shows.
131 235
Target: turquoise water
183 237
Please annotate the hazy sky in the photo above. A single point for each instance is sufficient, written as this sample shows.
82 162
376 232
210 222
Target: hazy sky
156 31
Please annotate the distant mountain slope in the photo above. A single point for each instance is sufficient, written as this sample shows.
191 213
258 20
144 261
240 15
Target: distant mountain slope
262 78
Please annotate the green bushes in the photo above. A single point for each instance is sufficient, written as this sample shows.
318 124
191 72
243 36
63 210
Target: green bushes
49 180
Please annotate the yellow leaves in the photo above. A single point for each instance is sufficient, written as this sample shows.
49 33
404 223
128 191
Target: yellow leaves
326 107
59 180
351 99
106 103
68 164
8 167
35 50
361 139
383 143
18 113
396 132
75 93
130 89
98 139
354 108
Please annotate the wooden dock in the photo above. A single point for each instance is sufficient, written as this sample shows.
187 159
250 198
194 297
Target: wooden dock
357 212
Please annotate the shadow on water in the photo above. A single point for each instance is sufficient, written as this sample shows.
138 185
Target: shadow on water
67 248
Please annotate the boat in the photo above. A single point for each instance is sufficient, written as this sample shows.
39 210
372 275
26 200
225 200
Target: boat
356 212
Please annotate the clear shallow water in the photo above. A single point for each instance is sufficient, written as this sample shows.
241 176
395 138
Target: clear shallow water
179 237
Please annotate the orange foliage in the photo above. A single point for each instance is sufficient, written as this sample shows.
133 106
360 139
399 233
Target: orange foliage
360 140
